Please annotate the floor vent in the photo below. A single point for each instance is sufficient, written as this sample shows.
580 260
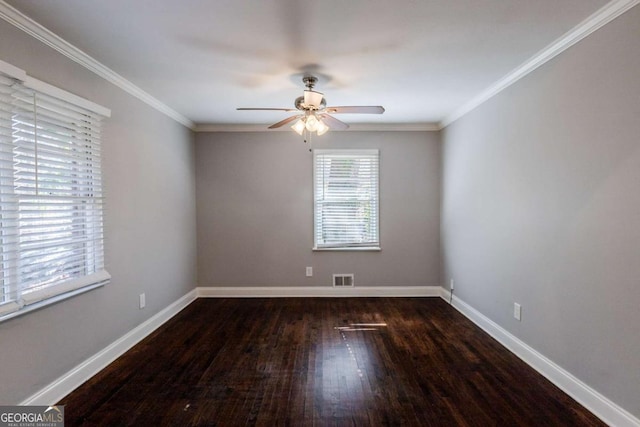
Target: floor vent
343 280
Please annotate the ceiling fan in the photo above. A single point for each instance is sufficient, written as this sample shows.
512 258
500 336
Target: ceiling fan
313 115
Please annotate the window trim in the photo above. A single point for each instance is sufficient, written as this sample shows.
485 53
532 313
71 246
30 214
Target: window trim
348 249
35 84
345 248
49 301
56 293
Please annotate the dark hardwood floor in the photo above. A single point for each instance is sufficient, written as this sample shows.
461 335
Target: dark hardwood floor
289 362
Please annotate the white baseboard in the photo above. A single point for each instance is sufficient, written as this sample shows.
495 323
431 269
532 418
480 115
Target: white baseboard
58 389
602 407
595 402
54 392
316 291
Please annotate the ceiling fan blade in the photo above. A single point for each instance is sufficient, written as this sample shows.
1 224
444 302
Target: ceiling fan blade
334 123
265 109
284 122
369 109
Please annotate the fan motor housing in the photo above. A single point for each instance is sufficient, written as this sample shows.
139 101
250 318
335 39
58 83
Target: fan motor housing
300 105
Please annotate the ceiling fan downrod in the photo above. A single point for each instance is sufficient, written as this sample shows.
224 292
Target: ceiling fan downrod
309 81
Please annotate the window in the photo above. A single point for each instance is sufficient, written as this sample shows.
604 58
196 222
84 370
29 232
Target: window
51 239
346 199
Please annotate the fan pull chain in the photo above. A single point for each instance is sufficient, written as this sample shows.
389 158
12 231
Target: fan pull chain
307 138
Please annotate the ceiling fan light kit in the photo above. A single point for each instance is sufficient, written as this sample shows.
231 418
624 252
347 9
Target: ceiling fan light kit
322 128
310 123
315 113
299 126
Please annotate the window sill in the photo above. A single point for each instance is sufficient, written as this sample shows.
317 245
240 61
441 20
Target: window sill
54 299
354 249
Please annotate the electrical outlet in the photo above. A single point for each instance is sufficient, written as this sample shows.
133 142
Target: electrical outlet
143 301
451 284
309 271
517 311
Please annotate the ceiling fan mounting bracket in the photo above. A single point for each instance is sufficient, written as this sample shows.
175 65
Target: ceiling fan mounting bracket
309 81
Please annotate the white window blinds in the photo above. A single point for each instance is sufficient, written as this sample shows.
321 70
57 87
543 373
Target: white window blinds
346 198
50 197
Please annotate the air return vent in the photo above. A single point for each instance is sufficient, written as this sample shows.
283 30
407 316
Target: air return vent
343 280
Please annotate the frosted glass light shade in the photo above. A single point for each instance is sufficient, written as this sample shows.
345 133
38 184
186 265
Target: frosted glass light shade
312 123
299 126
322 128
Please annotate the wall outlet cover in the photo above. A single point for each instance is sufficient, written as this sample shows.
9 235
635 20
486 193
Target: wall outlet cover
517 311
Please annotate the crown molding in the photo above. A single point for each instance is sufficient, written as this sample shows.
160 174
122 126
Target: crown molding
357 127
603 16
31 27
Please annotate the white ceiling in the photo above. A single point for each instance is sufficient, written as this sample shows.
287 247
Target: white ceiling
420 59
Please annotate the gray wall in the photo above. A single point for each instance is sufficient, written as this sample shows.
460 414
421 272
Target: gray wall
149 183
541 206
255 210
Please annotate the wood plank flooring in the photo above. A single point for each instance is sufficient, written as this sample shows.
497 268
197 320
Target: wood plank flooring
300 361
